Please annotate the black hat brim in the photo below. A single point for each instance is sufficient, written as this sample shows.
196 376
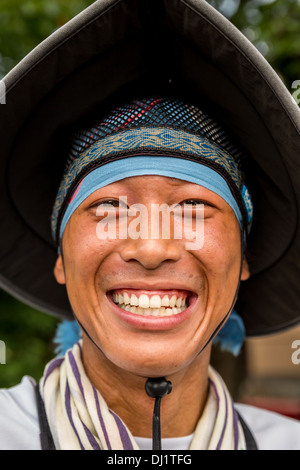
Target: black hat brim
113 49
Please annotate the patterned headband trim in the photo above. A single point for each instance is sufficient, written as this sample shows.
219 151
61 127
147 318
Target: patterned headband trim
155 112
158 141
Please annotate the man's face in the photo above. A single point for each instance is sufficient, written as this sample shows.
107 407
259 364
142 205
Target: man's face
126 291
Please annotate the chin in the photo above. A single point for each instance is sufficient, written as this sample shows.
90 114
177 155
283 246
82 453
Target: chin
146 365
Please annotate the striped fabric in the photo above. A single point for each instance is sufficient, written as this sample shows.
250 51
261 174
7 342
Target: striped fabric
80 419
221 418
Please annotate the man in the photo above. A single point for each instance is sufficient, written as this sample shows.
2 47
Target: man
149 306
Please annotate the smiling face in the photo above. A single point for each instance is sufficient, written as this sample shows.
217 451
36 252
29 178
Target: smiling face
150 304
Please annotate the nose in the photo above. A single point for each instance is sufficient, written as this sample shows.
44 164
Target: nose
151 253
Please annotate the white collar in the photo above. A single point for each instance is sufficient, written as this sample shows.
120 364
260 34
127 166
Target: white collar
171 443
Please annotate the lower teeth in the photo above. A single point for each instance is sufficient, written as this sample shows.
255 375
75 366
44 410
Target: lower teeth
155 312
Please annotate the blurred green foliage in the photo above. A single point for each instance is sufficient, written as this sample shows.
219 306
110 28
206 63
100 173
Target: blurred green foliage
27 334
271 25
25 23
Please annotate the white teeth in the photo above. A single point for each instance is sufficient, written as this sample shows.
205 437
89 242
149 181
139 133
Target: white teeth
155 301
134 300
144 301
153 305
173 301
153 312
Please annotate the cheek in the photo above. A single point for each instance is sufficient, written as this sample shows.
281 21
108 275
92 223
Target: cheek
221 259
84 256
222 245
83 251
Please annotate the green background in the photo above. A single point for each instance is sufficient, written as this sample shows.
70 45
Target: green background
272 26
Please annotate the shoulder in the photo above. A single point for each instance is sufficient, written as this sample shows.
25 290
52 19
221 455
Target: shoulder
19 422
271 431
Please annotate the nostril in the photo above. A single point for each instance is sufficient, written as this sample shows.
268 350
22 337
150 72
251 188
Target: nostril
150 253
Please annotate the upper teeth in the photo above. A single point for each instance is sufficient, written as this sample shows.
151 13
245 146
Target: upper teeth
145 301
153 305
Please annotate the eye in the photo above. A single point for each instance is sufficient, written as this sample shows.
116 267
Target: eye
195 202
109 204
195 208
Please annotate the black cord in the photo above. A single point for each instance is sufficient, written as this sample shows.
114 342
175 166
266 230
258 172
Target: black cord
157 388
156 430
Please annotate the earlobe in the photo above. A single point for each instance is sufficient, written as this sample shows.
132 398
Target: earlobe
245 270
59 271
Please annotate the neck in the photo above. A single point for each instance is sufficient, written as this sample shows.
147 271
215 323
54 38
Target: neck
125 394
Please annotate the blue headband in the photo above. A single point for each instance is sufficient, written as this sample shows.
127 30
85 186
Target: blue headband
164 166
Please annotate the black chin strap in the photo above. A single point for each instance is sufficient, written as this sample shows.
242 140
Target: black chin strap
221 324
157 388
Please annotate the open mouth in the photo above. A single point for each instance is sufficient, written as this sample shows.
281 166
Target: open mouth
155 303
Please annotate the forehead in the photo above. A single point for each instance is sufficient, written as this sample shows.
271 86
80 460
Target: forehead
146 186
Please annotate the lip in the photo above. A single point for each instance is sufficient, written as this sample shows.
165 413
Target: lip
147 322
157 285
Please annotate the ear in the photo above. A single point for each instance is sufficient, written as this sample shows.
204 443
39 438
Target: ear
245 270
59 271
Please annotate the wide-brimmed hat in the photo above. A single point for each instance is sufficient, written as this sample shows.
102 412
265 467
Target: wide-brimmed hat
116 49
